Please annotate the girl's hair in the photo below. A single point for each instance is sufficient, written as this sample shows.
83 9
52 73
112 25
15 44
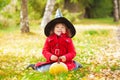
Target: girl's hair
67 30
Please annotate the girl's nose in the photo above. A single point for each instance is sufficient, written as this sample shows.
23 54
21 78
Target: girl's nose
60 28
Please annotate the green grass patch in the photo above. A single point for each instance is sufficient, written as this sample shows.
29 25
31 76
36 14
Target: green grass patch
102 21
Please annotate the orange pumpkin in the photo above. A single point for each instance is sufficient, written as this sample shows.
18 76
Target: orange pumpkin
58 67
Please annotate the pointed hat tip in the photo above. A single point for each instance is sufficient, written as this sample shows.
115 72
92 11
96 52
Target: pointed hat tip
58 13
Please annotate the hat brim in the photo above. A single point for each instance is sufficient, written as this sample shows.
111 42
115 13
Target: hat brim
52 23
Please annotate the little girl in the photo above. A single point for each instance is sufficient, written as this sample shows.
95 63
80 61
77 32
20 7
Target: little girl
58 44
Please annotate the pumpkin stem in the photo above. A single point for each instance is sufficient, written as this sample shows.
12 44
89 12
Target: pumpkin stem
57 52
58 60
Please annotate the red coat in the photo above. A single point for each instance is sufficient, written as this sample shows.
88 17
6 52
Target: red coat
65 46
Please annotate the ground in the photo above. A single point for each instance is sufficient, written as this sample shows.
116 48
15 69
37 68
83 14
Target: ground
97 47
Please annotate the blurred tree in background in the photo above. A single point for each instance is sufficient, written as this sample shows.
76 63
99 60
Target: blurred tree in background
74 10
24 17
116 10
3 3
85 9
48 12
98 8
7 9
36 8
119 7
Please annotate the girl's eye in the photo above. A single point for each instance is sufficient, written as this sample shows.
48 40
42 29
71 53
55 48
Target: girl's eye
62 27
57 26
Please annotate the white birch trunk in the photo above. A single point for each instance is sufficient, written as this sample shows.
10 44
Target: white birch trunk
119 8
116 13
48 12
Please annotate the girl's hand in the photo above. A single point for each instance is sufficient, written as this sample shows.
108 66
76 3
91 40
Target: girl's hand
54 58
63 58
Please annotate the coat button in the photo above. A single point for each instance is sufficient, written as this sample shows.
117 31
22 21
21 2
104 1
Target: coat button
57 44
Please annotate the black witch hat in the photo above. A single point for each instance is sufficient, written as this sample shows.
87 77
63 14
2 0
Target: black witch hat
59 19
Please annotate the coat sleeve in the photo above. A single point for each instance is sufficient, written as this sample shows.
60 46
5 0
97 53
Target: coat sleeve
71 51
46 50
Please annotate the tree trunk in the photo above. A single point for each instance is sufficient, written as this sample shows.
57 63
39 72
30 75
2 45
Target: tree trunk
48 12
24 17
119 8
116 13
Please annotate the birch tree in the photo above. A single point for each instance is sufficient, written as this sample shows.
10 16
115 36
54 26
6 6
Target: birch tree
119 7
24 17
116 11
48 12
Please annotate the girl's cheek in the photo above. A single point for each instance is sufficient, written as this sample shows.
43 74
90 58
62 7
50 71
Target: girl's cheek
64 31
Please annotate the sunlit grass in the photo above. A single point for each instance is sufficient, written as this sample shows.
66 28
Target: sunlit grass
100 21
97 51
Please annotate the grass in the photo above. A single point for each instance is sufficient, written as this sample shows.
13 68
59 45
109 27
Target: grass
96 51
100 21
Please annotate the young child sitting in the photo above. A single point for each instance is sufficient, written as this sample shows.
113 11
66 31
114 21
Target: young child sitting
59 32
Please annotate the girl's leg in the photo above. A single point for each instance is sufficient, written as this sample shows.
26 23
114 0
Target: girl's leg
78 65
43 68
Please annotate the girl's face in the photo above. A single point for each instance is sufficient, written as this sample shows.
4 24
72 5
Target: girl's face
59 28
